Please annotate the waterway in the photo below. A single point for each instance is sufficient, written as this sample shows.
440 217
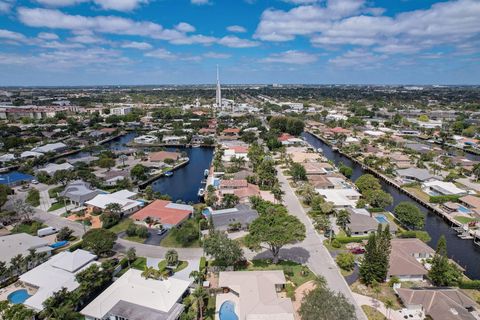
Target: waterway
464 252
186 181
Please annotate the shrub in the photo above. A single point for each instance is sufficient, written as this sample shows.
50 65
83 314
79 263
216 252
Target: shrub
393 280
470 284
443 199
419 234
336 243
33 197
346 261
142 232
131 230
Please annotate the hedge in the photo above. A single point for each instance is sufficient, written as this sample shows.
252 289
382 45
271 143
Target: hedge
419 234
75 246
351 239
470 284
203 264
443 199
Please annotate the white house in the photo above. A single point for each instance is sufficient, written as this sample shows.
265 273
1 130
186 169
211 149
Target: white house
146 139
51 168
51 147
121 111
123 197
341 198
442 188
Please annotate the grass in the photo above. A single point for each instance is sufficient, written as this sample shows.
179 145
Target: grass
386 293
465 220
135 239
56 206
293 271
121 226
373 314
182 265
417 191
30 228
170 242
52 193
140 263
345 273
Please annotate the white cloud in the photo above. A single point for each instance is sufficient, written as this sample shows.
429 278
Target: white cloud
216 55
358 58
137 45
237 29
236 42
6 5
200 2
119 5
301 1
291 57
185 27
10 35
47 36
162 54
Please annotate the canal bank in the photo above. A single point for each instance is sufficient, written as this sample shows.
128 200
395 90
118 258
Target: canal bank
464 252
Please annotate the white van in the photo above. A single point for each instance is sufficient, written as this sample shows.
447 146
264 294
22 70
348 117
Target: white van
46 231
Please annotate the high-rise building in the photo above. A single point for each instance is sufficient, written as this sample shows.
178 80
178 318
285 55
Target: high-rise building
219 91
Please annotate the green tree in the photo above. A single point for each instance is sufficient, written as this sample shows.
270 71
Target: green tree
346 171
298 172
99 241
139 172
443 273
367 182
273 231
343 218
15 311
410 215
375 263
60 306
187 233
63 176
199 296
64 234
378 198
322 303
4 192
33 197
131 255
225 251
346 261
230 200
171 256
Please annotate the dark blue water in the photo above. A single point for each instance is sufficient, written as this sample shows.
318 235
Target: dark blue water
186 181
464 252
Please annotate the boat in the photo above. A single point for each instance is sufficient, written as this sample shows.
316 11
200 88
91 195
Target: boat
334 148
320 150
206 172
201 192
168 173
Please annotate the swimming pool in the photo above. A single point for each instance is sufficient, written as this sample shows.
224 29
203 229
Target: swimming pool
19 296
462 209
381 218
227 311
14 178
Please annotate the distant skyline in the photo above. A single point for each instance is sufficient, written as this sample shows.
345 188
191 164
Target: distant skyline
137 42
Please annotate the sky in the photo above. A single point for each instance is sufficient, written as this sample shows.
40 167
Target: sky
135 42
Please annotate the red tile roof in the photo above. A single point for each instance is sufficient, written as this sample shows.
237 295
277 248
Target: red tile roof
285 137
233 184
159 211
162 155
239 149
231 130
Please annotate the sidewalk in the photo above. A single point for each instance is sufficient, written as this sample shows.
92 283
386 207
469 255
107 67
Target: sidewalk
379 306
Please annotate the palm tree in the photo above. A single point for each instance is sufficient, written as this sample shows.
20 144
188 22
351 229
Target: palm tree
16 264
114 208
172 257
197 276
150 273
131 255
389 305
199 296
277 193
31 259
343 217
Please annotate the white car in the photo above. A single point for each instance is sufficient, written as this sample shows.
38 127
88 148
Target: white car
34 182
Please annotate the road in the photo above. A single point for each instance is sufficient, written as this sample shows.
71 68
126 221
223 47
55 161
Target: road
312 251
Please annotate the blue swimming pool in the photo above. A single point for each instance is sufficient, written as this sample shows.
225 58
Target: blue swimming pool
58 244
462 209
19 296
14 178
381 218
227 311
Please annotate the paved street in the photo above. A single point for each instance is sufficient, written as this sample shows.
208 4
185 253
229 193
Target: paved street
312 251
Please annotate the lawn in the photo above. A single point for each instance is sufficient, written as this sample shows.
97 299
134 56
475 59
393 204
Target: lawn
170 242
419 193
56 206
294 272
465 220
139 264
30 228
182 265
373 314
386 293
52 193
121 226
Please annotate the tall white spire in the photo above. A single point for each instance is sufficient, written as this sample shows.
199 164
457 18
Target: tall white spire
219 91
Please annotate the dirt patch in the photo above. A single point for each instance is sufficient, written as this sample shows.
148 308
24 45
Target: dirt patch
300 292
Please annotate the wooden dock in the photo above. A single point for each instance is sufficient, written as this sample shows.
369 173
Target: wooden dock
145 183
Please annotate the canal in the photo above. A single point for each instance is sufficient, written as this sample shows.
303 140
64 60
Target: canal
464 252
186 181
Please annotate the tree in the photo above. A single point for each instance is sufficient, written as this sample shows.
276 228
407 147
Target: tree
277 193
4 192
60 306
16 264
410 215
187 233
199 296
33 197
230 200
23 210
374 267
273 231
367 182
378 198
15 311
346 261
64 234
171 256
225 251
343 218
298 172
62 176
443 273
131 255
476 171
114 208
99 241
346 171
139 172
322 303
322 222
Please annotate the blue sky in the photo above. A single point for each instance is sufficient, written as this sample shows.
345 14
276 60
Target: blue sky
93 42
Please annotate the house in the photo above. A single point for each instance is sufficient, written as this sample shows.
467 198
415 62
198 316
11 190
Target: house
78 192
231 132
243 193
174 139
361 225
304 157
320 182
134 297
85 159
439 303
30 154
254 295
400 160
123 197
441 188
316 168
146 139
53 275
235 152
340 198
167 213
161 156
7 157
405 259
414 175
470 202
121 111
51 147
233 184
242 214
51 168
21 243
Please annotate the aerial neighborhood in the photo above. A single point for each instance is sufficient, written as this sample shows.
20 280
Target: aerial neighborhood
279 203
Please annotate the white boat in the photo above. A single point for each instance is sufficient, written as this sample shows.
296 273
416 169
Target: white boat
201 192
206 172
320 150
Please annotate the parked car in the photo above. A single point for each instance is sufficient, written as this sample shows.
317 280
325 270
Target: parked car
161 231
46 231
357 251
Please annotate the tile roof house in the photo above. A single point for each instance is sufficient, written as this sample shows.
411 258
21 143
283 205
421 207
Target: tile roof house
161 156
315 168
405 259
471 202
414 174
78 192
169 214
233 184
134 297
255 295
123 197
440 303
243 214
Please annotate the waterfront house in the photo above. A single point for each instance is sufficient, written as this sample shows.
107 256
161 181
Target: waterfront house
167 213
242 214
235 152
414 175
438 303
320 182
123 197
406 259
7 157
361 225
146 139
112 177
441 188
53 275
161 156
340 198
134 297
400 160
51 147
470 202
78 192
231 132
254 295
174 139
21 243
51 168
316 168
233 184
